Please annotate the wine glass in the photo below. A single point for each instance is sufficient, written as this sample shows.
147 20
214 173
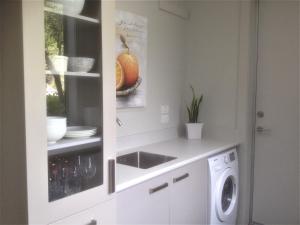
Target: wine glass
90 167
55 186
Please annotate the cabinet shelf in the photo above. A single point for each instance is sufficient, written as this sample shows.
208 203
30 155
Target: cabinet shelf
79 17
76 74
69 145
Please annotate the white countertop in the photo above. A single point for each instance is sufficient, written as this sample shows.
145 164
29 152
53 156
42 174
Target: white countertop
186 151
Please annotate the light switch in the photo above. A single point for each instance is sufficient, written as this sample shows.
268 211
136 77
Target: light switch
164 109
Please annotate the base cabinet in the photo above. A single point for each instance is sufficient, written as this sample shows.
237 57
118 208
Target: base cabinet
188 194
146 203
102 214
177 197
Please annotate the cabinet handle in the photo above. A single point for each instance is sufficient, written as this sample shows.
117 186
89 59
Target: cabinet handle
111 176
92 222
153 190
181 177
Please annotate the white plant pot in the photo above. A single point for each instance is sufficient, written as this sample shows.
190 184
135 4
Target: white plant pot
194 130
58 64
56 128
70 7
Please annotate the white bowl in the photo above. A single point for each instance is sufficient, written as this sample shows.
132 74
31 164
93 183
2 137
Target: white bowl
58 63
56 128
71 7
80 64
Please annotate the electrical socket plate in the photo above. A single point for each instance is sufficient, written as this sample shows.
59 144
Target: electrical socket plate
164 109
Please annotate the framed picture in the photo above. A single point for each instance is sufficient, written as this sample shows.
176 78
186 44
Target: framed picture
131 59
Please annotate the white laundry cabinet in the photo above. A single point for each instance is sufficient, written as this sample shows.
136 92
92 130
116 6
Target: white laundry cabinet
177 197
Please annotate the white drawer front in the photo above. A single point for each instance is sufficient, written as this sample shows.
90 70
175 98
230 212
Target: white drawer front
103 214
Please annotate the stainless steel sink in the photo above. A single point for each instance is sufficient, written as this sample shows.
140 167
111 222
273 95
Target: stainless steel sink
143 160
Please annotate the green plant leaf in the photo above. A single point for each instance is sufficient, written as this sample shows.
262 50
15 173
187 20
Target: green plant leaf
189 113
193 110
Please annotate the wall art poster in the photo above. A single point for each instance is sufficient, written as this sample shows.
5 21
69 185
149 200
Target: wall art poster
131 59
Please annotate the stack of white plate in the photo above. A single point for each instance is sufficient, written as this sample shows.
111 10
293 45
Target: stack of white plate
80 132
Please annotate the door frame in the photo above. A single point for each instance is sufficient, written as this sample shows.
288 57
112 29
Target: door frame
299 106
254 97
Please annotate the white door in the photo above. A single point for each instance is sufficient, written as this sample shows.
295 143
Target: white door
276 173
188 198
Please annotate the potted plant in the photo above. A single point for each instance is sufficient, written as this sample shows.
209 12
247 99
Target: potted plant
193 128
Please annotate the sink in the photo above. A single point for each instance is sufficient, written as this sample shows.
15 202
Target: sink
143 160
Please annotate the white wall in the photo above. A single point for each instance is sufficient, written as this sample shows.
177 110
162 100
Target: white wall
221 38
212 51
166 69
212 62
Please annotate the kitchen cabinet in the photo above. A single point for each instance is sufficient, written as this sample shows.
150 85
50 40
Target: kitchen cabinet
47 180
189 194
96 215
177 197
146 203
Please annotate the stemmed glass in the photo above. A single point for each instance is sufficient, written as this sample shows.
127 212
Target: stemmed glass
74 177
56 190
90 167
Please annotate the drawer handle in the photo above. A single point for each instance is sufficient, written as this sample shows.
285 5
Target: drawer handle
111 176
181 177
153 190
92 222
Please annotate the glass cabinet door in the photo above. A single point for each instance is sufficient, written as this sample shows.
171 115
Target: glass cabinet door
74 96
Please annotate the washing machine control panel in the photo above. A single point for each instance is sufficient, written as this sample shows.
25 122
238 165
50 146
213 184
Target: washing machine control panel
229 157
219 162
226 159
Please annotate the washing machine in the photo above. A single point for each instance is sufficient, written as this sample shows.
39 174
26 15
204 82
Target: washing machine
224 188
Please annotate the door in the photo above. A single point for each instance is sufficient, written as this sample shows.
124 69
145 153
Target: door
188 194
276 174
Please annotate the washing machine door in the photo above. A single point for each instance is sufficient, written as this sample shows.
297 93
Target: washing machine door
227 194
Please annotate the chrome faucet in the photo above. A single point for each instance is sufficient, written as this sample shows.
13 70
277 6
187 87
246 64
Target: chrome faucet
119 122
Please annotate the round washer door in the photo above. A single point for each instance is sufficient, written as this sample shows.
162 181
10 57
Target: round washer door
226 196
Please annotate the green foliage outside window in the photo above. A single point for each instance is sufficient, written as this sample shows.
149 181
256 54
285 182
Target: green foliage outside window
54 45
54 34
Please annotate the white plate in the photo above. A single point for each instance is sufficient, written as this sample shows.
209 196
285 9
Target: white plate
79 136
80 128
83 133
80 131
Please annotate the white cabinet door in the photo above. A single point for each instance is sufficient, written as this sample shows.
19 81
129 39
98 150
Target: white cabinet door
178 197
188 194
146 203
102 214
